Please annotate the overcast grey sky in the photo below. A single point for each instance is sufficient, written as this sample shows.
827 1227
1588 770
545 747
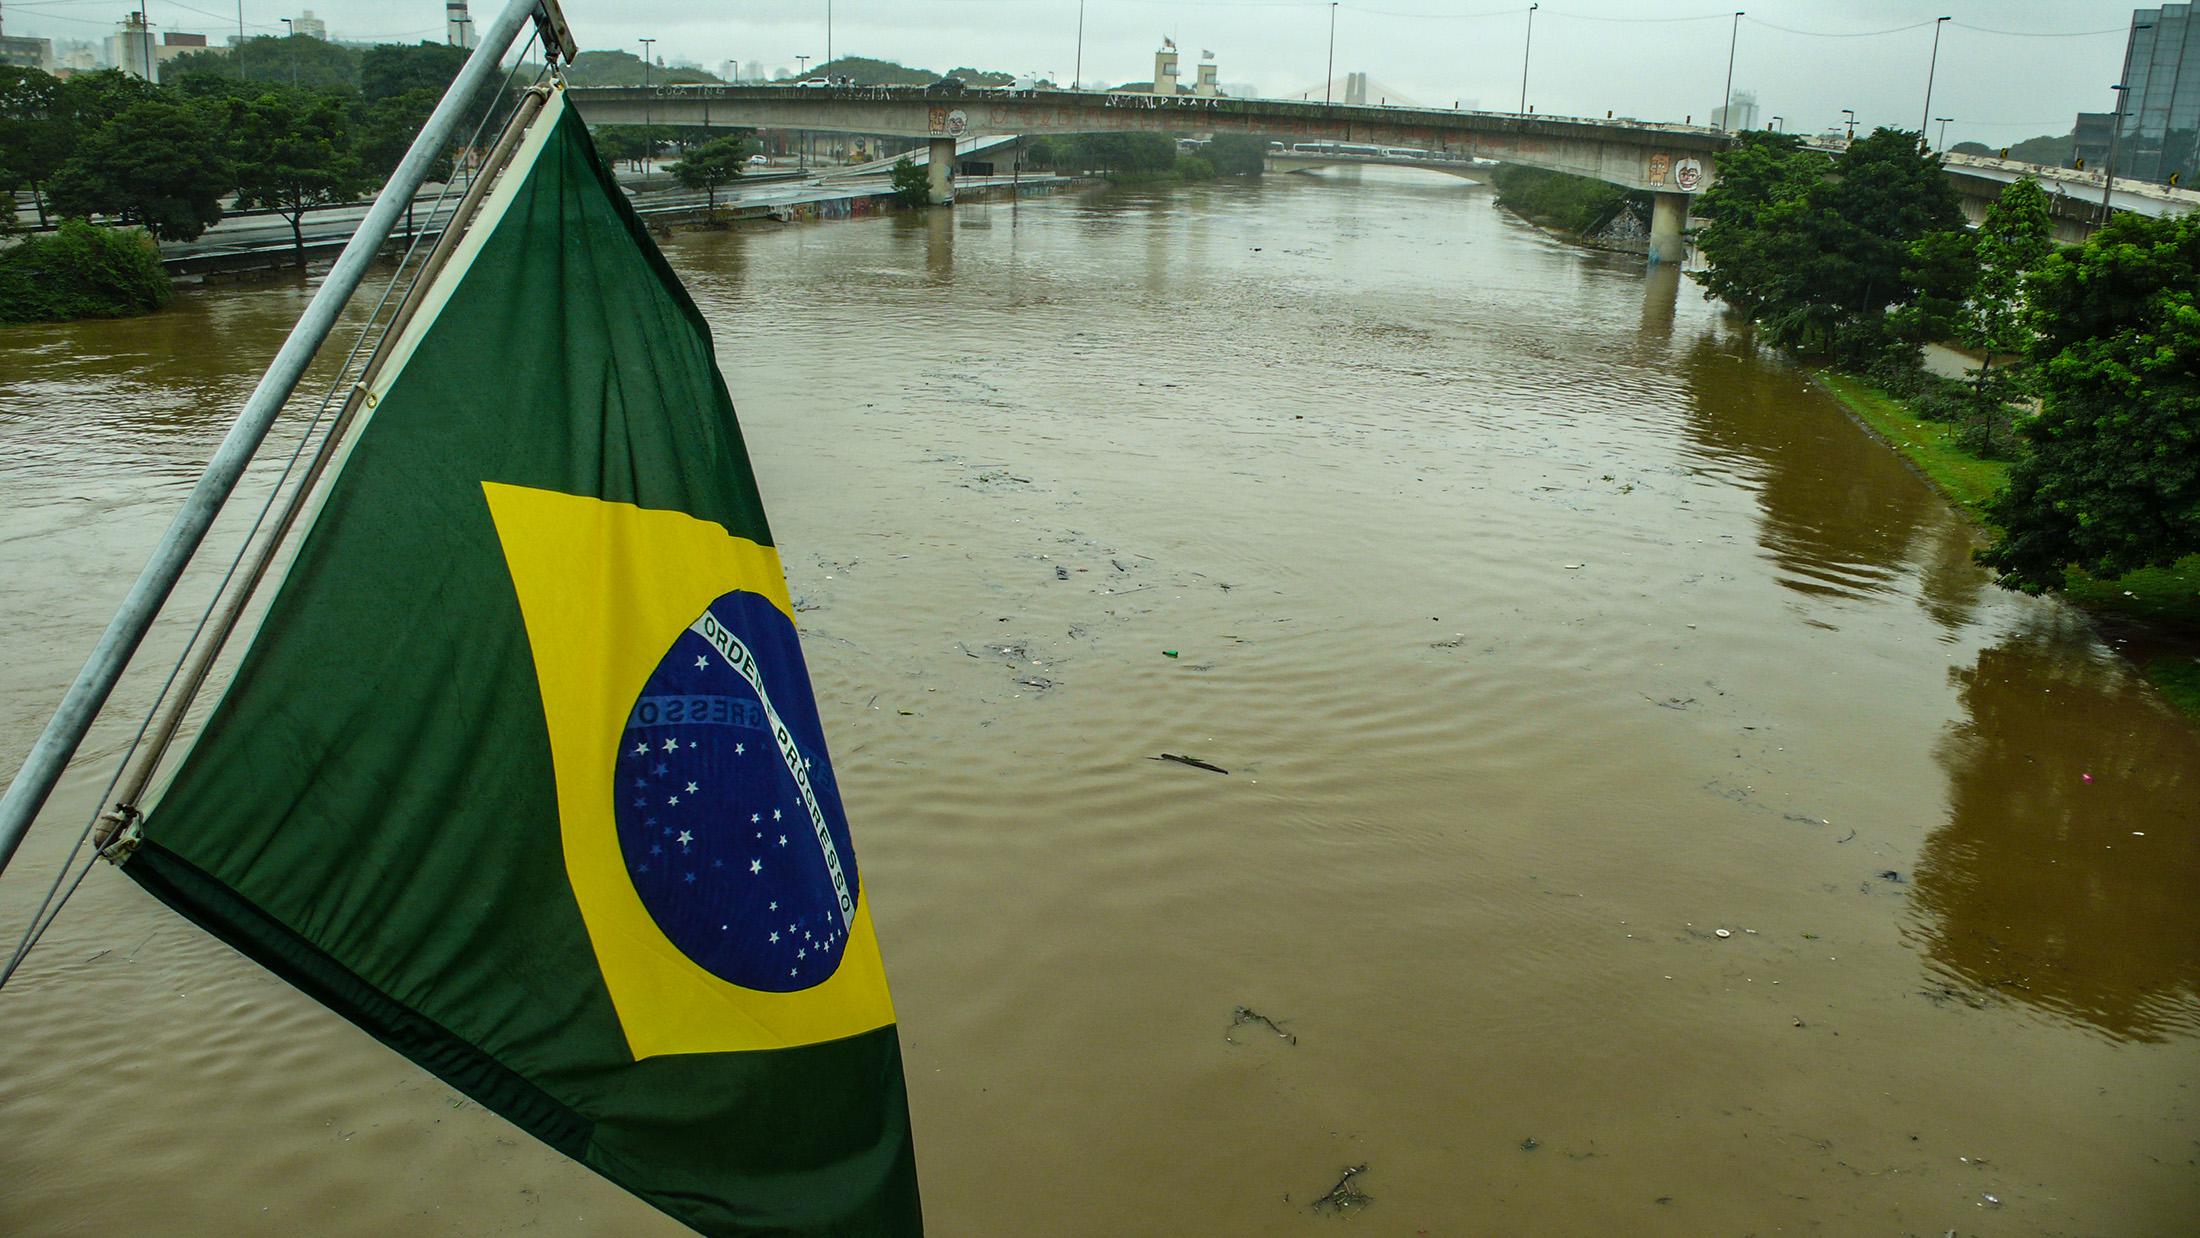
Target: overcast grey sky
2007 69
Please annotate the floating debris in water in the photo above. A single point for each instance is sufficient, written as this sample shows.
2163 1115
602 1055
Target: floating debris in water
1194 762
1529 1144
1242 1015
1345 1197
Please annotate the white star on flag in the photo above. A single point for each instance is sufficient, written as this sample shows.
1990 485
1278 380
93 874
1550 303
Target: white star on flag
756 866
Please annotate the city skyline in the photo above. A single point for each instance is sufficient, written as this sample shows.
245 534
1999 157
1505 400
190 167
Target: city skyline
2004 71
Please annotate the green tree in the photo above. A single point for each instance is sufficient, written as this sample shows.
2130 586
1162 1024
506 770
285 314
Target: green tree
2015 239
34 136
300 60
1237 154
80 272
2112 483
383 130
158 164
293 152
714 163
1760 175
630 143
388 70
864 71
912 184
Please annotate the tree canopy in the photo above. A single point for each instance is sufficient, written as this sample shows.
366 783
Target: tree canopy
712 164
294 153
2112 482
1821 256
158 163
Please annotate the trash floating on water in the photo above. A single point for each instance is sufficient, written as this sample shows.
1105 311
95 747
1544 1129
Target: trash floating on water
1168 653
1241 1015
1345 1197
1194 762
1721 933
1529 1144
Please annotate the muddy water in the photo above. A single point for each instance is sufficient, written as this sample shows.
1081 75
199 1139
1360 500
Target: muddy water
1545 627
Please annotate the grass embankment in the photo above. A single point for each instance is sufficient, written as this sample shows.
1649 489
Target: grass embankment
2164 599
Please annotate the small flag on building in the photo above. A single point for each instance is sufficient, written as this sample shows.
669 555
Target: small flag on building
522 772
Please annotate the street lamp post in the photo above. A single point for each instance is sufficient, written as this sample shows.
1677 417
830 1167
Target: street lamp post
1778 125
2108 167
801 67
1329 75
1525 45
290 36
649 144
1850 112
1942 121
1077 75
1930 66
828 31
240 40
1733 37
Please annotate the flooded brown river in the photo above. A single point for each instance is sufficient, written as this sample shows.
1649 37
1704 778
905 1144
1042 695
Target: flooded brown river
1643 814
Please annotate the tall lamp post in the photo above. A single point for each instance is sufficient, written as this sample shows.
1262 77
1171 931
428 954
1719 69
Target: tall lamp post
240 40
1733 37
649 144
1077 75
1329 75
828 32
290 36
2108 167
1525 45
1850 112
1778 125
1942 121
1930 66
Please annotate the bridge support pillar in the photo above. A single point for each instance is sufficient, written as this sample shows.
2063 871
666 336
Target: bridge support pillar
1668 217
940 167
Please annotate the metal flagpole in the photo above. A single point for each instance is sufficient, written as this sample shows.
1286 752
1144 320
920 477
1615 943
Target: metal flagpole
49 756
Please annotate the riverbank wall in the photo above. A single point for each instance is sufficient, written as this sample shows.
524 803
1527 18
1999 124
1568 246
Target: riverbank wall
794 204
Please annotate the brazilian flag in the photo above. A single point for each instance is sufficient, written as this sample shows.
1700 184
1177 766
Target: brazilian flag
522 772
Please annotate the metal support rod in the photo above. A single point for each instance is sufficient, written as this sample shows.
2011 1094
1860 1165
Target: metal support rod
1726 106
224 621
1525 45
49 755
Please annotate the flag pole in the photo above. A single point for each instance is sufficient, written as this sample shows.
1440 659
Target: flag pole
49 756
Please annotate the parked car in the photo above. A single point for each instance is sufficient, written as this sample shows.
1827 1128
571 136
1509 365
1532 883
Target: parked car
760 161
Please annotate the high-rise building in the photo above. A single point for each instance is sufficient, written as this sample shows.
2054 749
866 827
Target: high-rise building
130 48
458 28
2158 133
25 53
1738 115
310 26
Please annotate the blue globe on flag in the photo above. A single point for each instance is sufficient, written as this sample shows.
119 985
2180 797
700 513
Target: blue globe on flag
727 814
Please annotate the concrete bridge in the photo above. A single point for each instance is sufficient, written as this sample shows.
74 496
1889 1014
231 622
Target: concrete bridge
1672 163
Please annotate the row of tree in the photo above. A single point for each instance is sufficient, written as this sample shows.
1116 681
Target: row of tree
172 158
2091 354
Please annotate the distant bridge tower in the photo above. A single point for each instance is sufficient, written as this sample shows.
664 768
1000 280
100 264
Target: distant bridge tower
458 29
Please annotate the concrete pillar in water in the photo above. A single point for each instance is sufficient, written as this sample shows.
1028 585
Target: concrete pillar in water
941 168
1668 216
